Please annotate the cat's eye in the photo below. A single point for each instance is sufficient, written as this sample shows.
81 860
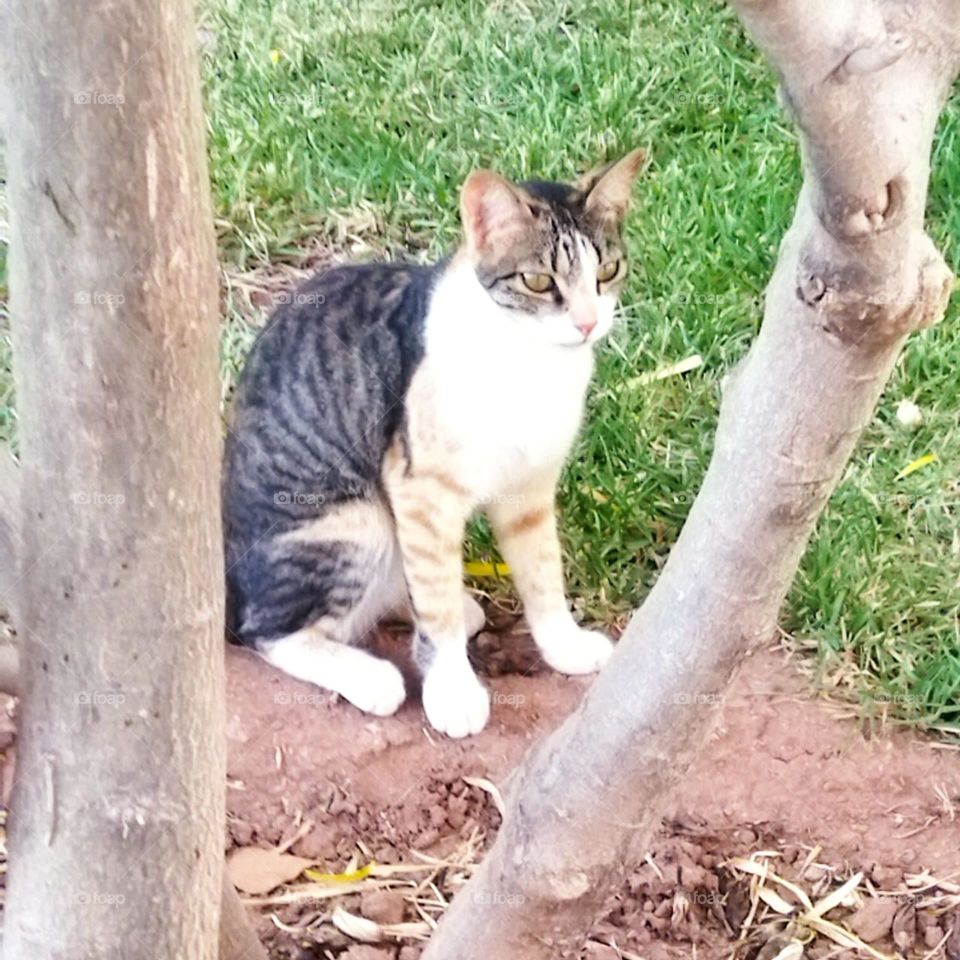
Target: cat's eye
608 271
537 282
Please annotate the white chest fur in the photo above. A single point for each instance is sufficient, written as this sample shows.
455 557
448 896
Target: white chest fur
506 399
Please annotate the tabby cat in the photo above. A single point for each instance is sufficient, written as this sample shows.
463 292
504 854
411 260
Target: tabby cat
384 404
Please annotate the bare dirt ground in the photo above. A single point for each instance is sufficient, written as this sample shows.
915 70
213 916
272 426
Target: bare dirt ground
805 795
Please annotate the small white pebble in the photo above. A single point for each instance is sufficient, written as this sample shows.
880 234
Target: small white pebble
909 414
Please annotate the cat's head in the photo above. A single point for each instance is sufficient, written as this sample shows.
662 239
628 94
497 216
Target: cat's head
551 254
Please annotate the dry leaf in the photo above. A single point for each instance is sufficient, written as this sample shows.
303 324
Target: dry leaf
839 935
369 931
792 951
916 465
255 870
737 907
905 928
836 897
359 928
348 876
773 899
671 370
483 784
763 871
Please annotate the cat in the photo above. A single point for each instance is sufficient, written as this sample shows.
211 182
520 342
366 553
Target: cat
384 404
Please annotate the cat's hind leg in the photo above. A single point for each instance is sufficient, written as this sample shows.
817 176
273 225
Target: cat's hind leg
327 583
474 618
369 683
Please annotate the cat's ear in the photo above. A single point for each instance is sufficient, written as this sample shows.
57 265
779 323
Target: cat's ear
608 188
492 209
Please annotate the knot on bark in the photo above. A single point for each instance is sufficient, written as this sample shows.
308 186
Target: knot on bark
567 885
872 57
802 504
934 288
854 219
850 302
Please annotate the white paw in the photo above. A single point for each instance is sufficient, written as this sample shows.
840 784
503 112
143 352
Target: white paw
474 619
571 649
455 701
378 690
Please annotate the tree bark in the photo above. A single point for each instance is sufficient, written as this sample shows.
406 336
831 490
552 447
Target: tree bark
9 552
856 274
237 938
117 822
9 534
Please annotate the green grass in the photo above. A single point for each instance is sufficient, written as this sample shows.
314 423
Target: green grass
357 121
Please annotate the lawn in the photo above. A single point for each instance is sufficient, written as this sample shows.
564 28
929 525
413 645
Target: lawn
356 122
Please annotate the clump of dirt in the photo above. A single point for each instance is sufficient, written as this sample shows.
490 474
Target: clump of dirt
796 830
698 893
435 816
701 888
788 786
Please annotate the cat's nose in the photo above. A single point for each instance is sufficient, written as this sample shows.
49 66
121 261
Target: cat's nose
585 323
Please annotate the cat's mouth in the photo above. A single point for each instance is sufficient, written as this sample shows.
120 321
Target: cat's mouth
587 341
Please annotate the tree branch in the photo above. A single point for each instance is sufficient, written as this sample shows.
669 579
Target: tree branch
856 274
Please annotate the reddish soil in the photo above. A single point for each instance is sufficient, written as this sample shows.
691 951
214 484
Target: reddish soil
781 772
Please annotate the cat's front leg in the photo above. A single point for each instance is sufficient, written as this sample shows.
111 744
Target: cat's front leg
431 511
526 529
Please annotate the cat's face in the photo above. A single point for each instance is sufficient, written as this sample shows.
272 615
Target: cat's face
551 254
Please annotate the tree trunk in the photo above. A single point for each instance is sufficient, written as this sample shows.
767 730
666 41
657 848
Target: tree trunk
856 274
9 553
9 533
117 821
237 938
